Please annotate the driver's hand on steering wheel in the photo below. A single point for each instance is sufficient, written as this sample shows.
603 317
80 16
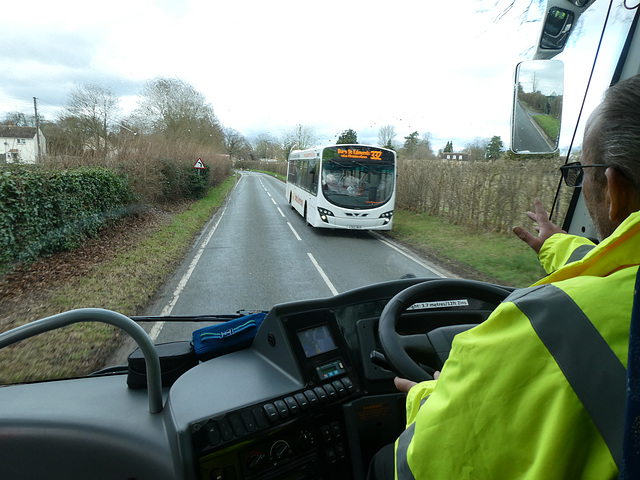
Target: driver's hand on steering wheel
405 385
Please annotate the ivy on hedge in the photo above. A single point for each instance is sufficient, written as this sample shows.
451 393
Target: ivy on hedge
180 182
46 211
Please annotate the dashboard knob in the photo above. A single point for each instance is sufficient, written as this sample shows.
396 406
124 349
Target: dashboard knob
280 450
254 460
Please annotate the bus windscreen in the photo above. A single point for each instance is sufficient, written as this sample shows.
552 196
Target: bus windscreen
357 177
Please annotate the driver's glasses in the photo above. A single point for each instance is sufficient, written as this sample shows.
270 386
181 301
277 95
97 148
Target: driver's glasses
573 173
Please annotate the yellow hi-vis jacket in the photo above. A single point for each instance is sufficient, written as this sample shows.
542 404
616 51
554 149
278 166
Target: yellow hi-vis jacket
503 408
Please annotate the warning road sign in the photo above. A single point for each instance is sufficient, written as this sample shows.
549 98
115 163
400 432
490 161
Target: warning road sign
199 165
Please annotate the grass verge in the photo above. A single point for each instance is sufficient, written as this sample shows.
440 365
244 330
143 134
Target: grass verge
488 257
124 284
550 125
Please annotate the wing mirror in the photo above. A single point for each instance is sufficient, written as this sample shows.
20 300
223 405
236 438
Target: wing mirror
537 106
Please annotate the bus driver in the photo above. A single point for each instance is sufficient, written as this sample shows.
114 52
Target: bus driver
502 407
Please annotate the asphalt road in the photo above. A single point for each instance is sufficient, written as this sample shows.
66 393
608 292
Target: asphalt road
256 252
528 136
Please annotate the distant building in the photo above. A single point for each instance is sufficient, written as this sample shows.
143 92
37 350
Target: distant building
20 144
462 157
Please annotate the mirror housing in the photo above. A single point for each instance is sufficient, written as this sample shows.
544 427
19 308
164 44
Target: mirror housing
560 20
537 106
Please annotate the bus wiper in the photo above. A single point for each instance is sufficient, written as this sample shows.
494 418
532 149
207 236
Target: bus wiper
186 318
195 318
333 162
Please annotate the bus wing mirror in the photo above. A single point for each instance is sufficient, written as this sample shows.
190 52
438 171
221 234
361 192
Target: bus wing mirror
537 106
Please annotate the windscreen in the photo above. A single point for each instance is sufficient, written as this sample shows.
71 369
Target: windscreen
357 177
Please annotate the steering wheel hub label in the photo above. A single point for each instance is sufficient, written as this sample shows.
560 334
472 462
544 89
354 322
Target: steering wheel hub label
440 304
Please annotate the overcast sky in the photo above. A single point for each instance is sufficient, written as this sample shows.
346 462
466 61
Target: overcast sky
266 66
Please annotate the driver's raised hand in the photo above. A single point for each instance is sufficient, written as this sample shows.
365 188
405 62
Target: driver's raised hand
544 228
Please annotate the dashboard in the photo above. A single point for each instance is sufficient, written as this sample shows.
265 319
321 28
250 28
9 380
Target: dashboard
303 402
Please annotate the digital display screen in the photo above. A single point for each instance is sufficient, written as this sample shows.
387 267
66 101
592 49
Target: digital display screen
330 370
359 153
316 340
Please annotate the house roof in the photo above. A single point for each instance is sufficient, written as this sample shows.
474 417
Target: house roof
11 131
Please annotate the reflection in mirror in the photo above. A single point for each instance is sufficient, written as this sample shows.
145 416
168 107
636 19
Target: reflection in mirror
537 106
556 29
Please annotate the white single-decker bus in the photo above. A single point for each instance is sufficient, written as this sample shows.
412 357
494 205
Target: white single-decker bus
343 186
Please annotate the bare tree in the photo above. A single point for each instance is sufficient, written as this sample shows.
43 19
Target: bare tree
423 149
386 136
92 109
266 147
19 119
299 137
523 12
477 149
176 109
234 143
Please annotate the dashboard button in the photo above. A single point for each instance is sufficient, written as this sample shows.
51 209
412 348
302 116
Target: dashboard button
272 413
225 429
312 397
248 420
294 408
330 391
322 395
332 457
302 401
335 429
261 417
340 388
346 381
236 425
325 431
214 433
282 408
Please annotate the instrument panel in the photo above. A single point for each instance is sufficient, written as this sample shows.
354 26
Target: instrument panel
291 435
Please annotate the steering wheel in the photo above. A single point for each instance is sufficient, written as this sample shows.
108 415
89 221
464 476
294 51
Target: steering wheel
395 345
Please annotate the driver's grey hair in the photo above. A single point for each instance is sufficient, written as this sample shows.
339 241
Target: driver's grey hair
617 141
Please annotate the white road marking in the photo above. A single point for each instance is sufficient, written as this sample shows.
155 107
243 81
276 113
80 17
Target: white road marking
157 327
323 275
281 212
294 232
409 256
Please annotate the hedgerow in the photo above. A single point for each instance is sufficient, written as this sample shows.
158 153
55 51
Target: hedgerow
44 211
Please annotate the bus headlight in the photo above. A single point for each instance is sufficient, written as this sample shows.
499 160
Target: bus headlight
387 216
324 213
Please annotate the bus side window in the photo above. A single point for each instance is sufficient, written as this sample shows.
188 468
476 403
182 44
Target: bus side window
313 179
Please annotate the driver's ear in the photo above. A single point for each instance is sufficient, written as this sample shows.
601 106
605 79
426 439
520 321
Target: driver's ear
623 199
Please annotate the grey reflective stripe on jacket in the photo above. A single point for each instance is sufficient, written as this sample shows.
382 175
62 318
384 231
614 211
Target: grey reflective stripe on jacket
592 369
580 252
403 471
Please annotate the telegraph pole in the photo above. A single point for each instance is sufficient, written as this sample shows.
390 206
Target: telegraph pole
35 108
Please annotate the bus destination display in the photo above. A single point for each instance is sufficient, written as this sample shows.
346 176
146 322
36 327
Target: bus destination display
360 154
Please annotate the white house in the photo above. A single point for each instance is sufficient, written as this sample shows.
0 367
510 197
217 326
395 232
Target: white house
20 144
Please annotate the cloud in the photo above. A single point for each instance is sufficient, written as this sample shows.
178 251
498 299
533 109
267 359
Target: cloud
49 47
267 66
